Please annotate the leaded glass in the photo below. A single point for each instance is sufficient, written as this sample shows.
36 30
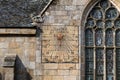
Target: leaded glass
111 13
89 54
109 63
104 4
90 23
99 78
97 13
102 42
89 67
109 55
89 63
118 54
99 37
110 77
117 38
118 63
108 24
100 24
89 37
89 77
117 23
109 37
99 54
99 64
100 68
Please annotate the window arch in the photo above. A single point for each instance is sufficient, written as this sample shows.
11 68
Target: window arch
102 42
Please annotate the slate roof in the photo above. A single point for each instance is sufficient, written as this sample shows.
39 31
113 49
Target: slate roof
19 12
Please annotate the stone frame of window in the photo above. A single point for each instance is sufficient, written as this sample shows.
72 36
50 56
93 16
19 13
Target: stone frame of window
86 12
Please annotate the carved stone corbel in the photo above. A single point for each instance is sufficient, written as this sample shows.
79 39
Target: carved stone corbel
38 19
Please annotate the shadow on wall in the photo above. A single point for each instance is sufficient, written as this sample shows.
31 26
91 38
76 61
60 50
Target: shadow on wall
0 76
20 72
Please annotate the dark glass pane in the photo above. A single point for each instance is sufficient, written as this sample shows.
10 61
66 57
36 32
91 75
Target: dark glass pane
99 55
111 13
90 23
110 77
89 64
110 67
97 13
118 54
100 24
99 37
108 24
117 23
118 63
109 37
104 4
109 56
117 40
99 68
89 77
89 67
89 37
89 54
99 78
99 64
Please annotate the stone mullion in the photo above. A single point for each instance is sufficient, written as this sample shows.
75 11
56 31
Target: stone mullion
104 56
94 74
114 56
114 64
104 71
82 56
94 56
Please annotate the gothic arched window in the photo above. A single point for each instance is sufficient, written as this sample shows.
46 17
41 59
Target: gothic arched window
102 43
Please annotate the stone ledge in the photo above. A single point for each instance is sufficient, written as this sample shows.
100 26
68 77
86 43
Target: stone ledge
9 61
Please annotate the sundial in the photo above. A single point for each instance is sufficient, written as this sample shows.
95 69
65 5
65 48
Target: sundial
60 44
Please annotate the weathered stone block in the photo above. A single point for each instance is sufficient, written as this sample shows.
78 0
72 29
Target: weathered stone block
14 45
67 2
68 66
59 12
70 8
4 45
58 78
74 72
48 78
50 66
70 78
63 72
32 65
9 61
50 72
8 73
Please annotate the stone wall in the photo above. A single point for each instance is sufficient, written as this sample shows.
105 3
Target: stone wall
65 13
29 50
116 3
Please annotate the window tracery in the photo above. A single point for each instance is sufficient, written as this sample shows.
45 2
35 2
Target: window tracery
102 43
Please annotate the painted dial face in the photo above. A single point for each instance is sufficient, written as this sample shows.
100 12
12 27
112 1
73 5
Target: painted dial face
60 44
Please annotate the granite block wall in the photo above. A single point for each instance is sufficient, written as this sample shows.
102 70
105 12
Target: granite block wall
30 64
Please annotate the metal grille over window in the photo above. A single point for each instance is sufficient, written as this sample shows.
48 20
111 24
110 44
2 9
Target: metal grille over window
102 42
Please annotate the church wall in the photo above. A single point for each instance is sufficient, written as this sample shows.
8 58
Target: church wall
31 63
65 13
